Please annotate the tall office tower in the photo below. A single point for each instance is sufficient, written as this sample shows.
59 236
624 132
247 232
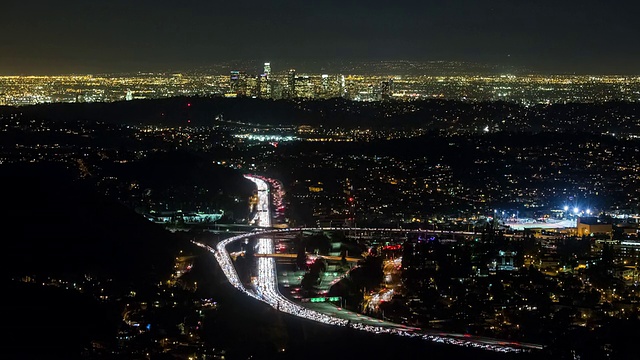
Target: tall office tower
251 86
291 84
129 95
343 87
264 87
234 82
304 87
240 84
277 90
324 90
267 69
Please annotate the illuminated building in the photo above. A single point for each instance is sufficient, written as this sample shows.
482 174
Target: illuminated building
235 80
587 226
628 251
505 261
264 87
328 87
267 69
316 188
324 90
291 83
241 84
304 87
252 86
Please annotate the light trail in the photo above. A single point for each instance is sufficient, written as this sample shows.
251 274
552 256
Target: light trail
265 288
267 291
262 217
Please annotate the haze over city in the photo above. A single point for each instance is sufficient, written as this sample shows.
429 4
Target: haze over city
54 38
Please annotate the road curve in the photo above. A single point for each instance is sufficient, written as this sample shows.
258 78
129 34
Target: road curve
265 288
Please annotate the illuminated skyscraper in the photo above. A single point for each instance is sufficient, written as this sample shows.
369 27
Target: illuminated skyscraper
324 91
264 87
234 81
267 69
291 83
304 87
242 85
251 86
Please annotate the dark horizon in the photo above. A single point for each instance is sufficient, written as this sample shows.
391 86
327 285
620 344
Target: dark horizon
44 38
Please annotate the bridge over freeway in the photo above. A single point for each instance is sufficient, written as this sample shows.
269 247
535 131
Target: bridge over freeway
293 256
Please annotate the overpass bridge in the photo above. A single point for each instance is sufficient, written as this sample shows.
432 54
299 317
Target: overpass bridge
293 256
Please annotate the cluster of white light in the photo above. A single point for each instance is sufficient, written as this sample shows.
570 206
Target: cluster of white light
277 192
577 210
262 217
376 299
452 339
268 292
265 137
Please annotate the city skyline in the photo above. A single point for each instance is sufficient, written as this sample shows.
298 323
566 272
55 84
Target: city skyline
365 83
79 37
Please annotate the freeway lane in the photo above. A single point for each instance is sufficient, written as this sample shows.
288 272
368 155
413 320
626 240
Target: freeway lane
265 289
263 213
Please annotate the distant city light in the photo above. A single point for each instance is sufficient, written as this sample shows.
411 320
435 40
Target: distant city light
268 138
259 83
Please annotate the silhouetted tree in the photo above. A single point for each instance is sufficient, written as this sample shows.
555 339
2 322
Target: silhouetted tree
319 242
301 258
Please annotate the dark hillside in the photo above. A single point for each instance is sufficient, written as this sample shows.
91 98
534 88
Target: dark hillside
54 224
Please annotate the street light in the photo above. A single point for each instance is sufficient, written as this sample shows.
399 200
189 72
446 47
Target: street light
576 210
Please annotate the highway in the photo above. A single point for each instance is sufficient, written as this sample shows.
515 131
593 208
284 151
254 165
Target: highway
265 287
262 217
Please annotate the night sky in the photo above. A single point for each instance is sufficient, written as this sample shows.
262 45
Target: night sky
555 36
